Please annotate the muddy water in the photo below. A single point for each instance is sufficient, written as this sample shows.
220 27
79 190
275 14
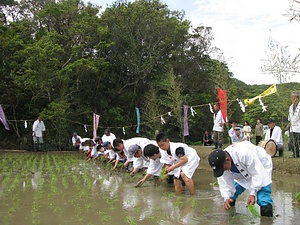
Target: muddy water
56 188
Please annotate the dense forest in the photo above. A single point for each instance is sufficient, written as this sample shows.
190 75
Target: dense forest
66 60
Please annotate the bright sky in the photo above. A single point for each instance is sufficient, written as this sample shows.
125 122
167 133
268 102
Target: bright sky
241 30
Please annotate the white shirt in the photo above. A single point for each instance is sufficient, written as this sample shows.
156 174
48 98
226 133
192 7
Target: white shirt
193 159
218 122
276 135
84 148
294 118
247 130
38 128
233 136
110 138
132 141
74 139
255 167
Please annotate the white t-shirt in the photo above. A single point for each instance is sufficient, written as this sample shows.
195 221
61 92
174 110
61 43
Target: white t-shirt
294 118
110 138
38 128
74 139
218 122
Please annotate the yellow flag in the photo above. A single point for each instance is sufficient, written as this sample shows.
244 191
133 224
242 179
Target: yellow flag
271 90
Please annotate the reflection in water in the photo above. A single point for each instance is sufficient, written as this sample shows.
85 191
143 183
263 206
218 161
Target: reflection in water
36 180
100 196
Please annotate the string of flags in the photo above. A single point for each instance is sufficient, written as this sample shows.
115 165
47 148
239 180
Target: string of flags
222 99
243 107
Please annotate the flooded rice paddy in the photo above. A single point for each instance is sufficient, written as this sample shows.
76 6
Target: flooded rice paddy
63 188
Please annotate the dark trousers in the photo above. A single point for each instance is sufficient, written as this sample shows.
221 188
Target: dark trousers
296 142
258 139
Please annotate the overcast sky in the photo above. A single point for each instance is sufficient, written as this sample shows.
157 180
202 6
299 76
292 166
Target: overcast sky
241 30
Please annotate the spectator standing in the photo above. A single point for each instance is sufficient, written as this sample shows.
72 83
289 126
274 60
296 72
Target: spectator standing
259 130
247 130
294 118
38 130
108 136
76 140
218 128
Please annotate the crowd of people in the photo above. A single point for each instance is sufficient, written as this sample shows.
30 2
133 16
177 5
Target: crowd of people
177 162
271 138
240 166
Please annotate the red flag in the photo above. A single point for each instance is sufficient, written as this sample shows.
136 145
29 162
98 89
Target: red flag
222 98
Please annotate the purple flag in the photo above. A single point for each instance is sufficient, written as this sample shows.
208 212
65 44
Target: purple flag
185 121
3 119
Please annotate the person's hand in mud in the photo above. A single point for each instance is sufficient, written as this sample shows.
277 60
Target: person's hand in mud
140 182
251 200
228 203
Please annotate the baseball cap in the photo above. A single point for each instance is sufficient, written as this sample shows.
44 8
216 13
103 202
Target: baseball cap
106 144
237 128
107 131
74 133
132 150
216 160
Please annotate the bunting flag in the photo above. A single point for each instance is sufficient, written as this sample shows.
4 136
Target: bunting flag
124 131
222 98
85 128
271 90
185 121
264 107
169 114
162 120
3 118
25 124
95 124
243 107
138 119
193 112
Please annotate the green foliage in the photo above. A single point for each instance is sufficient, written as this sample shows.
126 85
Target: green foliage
297 197
63 60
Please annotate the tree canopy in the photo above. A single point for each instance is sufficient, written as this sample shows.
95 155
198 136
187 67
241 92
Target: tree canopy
65 60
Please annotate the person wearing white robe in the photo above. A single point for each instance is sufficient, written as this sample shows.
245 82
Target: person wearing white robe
158 160
244 166
184 157
121 146
275 133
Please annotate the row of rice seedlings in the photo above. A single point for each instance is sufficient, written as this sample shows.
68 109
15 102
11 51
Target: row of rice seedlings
41 165
39 193
297 197
12 195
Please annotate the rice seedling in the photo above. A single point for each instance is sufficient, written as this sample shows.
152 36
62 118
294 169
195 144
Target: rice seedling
104 217
297 197
130 220
215 183
253 210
